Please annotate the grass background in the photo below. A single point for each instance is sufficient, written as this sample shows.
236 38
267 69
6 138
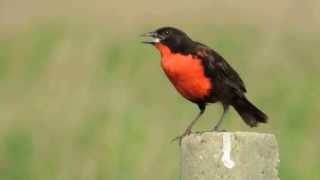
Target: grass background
81 98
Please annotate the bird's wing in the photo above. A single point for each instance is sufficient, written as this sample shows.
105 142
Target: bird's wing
219 68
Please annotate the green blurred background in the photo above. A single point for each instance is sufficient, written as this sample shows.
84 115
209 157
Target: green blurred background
81 97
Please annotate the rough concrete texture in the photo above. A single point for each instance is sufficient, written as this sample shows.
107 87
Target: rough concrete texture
255 156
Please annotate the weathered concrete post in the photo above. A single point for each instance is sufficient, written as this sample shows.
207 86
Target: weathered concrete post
229 156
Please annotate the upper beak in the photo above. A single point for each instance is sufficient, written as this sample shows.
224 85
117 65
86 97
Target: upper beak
153 38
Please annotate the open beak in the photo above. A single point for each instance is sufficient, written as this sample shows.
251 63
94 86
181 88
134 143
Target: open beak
153 38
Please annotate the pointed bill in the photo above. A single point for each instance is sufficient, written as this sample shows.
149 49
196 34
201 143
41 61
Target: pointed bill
153 38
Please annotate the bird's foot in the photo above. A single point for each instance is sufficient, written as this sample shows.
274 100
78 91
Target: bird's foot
216 129
179 138
210 131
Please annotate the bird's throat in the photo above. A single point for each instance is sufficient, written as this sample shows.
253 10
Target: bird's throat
163 49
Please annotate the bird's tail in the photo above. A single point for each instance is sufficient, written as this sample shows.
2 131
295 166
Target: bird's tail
248 112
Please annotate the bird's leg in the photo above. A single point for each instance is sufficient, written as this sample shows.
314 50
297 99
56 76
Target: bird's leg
189 128
225 110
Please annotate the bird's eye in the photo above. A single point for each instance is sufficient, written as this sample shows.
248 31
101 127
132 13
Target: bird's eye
166 32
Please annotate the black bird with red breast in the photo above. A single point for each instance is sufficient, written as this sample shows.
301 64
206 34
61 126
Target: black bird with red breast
202 76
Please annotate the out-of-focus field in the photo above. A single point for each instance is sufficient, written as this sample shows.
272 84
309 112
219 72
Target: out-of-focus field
81 97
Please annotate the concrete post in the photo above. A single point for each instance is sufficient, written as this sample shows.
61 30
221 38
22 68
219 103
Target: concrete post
229 156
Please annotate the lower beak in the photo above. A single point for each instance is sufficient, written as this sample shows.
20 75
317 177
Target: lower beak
153 38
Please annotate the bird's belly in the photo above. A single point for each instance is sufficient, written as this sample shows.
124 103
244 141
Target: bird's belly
187 75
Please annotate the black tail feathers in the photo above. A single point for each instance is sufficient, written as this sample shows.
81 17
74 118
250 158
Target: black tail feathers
248 112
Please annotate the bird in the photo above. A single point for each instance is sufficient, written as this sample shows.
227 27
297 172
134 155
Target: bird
202 76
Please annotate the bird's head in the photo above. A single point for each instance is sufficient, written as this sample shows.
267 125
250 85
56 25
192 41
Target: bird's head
169 38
